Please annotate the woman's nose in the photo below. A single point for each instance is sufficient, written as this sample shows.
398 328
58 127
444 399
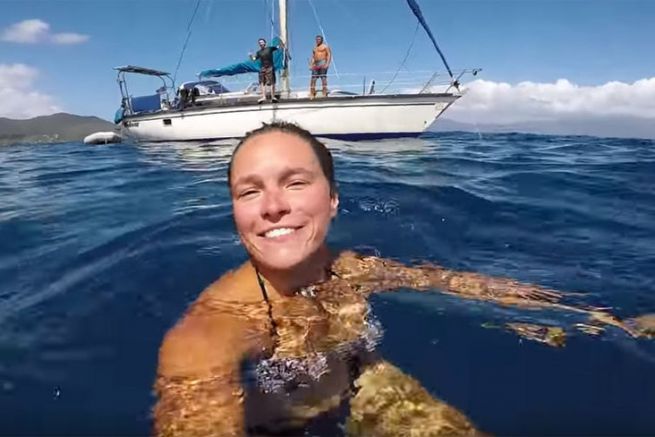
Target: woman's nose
275 206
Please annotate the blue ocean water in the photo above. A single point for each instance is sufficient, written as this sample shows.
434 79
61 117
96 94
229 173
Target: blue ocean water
103 247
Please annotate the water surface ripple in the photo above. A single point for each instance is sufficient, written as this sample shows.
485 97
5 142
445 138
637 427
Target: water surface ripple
103 247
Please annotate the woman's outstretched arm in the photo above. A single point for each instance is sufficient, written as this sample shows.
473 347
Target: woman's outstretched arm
374 274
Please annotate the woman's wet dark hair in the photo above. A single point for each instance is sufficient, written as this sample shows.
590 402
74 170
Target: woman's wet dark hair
322 153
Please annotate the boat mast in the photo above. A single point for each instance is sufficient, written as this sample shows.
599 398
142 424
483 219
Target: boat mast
284 36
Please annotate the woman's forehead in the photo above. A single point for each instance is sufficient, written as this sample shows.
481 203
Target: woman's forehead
274 150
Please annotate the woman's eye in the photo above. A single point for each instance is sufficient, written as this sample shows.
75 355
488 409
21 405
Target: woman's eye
297 184
247 194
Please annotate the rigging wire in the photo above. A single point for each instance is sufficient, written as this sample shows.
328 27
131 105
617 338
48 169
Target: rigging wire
270 17
402 64
272 20
186 41
318 22
208 12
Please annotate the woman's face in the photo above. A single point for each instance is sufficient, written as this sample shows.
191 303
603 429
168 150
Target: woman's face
281 199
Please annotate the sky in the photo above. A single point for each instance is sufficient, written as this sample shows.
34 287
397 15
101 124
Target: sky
540 59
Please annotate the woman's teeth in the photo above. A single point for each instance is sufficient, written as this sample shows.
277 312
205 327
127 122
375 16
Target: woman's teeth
278 232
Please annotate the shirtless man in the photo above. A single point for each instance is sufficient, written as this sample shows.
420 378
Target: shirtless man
319 64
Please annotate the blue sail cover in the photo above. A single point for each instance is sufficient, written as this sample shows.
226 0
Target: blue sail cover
248 66
417 11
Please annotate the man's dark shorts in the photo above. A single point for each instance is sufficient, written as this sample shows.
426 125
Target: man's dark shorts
319 70
267 76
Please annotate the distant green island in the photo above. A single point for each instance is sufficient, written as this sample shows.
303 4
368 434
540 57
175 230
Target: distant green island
55 128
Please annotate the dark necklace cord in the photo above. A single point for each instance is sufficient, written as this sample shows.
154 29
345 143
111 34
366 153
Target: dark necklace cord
262 287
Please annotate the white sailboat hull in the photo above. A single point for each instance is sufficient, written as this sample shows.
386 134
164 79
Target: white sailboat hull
373 116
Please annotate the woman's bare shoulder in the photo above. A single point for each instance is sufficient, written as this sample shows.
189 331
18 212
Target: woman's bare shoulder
238 285
349 263
210 333
346 257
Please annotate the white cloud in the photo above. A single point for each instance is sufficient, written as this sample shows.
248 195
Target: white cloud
503 103
27 31
35 31
69 38
17 97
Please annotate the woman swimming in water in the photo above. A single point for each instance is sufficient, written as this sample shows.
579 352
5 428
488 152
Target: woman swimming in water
288 336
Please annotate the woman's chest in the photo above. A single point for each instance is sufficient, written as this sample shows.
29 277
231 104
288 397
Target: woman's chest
320 322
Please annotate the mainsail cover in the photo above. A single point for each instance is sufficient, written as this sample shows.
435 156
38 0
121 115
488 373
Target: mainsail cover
248 66
419 15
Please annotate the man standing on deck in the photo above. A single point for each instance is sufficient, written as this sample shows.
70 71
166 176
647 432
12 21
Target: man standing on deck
267 70
319 64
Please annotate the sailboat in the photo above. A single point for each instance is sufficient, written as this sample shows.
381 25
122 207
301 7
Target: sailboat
205 110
